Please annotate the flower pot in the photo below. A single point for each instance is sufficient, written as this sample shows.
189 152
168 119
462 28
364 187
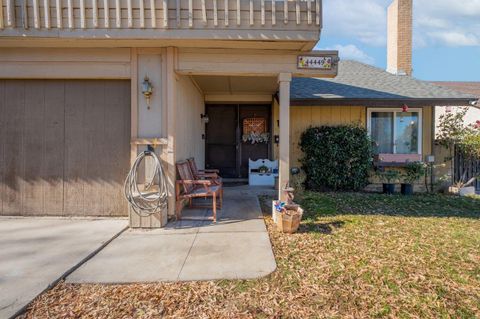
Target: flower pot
389 189
289 219
407 189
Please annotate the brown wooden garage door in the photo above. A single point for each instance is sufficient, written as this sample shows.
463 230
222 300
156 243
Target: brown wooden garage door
64 147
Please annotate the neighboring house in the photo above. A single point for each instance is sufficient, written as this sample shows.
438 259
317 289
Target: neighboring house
74 116
471 88
471 117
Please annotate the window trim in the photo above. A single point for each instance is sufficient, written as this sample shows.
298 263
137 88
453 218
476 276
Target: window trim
395 111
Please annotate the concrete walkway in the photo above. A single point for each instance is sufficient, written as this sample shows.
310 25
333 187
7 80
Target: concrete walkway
237 247
35 252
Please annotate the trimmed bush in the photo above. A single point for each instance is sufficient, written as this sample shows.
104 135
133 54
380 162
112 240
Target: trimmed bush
336 158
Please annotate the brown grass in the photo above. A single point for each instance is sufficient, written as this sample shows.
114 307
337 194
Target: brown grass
356 256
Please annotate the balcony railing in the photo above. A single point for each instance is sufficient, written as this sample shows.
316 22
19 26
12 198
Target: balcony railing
29 17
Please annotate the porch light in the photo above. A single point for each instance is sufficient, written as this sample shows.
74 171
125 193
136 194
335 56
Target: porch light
147 90
205 118
405 108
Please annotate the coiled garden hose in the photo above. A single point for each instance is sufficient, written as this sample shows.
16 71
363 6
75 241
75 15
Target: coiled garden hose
154 197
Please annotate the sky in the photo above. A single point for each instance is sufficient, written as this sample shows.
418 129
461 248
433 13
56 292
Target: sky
446 36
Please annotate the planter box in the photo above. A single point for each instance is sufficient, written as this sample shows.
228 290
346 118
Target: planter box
288 222
398 158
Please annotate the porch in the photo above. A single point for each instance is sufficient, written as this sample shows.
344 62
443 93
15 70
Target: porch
236 247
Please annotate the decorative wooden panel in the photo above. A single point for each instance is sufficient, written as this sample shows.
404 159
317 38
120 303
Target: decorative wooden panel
255 125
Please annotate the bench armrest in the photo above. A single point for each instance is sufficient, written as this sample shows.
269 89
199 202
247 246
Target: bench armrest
203 171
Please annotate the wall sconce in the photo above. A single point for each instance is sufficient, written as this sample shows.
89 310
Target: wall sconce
205 118
147 90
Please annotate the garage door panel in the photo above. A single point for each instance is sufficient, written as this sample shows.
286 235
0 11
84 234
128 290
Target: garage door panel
75 147
117 130
33 144
95 156
14 124
66 147
54 147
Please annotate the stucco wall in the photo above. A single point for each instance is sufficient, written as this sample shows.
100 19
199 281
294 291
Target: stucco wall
189 126
471 117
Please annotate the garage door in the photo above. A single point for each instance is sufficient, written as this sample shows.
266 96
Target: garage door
64 147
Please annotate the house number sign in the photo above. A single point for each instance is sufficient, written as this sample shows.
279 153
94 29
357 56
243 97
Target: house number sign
315 62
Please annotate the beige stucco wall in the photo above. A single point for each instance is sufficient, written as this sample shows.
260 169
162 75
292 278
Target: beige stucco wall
189 126
473 114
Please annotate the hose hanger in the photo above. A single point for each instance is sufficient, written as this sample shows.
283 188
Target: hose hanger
154 196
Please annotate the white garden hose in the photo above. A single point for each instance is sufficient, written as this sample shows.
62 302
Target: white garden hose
150 200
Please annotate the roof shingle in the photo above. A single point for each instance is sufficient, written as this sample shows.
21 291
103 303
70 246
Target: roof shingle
360 81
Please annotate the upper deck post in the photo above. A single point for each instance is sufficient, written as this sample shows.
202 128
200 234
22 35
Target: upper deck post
284 80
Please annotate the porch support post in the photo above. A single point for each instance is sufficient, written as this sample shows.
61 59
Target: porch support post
171 85
284 80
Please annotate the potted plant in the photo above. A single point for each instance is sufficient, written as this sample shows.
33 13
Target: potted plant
389 178
412 173
263 169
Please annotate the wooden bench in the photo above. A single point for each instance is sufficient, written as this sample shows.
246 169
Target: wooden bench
188 187
210 174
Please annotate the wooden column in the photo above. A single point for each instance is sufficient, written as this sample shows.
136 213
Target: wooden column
134 103
284 80
171 78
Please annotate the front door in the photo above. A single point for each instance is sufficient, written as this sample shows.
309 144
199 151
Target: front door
225 148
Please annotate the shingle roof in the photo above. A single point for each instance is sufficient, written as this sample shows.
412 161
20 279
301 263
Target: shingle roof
464 87
358 81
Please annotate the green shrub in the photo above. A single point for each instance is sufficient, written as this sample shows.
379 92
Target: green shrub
389 176
336 158
413 172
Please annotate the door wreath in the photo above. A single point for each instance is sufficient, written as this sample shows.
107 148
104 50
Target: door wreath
255 130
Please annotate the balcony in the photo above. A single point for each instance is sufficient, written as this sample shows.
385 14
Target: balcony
251 20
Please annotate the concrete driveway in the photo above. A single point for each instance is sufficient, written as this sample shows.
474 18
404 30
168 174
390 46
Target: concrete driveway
237 247
35 252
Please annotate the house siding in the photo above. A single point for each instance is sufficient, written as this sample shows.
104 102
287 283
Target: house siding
189 126
302 117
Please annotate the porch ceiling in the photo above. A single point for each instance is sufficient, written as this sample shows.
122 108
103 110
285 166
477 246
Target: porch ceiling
236 84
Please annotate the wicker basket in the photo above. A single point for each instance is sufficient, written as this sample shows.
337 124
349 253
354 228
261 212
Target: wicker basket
289 221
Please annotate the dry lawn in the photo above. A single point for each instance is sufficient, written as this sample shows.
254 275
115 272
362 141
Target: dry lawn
357 256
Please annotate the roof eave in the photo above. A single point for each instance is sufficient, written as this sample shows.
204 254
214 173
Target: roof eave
379 102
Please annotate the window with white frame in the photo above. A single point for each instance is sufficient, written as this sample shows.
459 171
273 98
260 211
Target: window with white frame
395 131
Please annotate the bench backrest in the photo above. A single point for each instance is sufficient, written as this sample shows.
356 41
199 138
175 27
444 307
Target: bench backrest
185 174
193 167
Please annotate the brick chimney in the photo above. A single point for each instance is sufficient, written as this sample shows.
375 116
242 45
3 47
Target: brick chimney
399 37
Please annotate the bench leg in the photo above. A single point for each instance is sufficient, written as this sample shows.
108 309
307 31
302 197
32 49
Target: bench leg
214 207
178 209
221 199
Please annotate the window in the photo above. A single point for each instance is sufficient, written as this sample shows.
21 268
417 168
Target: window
395 131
